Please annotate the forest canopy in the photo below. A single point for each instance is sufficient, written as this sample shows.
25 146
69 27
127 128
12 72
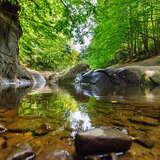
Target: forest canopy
127 29
123 30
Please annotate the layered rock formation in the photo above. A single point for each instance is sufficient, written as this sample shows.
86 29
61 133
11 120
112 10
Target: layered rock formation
10 32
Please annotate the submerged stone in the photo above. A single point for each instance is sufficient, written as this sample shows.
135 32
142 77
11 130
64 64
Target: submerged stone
22 151
59 155
102 141
42 130
2 129
145 142
3 143
56 155
144 122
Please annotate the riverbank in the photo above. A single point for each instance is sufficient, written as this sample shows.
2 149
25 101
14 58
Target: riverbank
142 73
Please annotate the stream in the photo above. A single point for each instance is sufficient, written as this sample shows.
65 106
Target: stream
43 122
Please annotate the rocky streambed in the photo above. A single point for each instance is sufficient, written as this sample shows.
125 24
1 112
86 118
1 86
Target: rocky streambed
100 114
43 125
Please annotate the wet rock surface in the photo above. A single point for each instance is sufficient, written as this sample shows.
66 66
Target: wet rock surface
124 76
102 141
144 122
68 78
22 151
145 142
2 129
57 155
42 130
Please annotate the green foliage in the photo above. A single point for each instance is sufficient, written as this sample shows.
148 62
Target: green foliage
56 106
45 43
47 32
10 1
126 27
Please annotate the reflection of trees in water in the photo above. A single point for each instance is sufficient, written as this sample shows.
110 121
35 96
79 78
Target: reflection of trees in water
10 97
51 105
59 107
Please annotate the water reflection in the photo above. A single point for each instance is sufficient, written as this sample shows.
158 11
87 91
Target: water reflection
79 121
67 111
120 94
61 107
50 105
10 97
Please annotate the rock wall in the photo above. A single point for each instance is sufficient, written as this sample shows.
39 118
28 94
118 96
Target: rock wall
10 32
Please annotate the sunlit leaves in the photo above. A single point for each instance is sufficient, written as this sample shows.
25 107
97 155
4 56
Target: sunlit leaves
52 106
46 31
109 34
129 27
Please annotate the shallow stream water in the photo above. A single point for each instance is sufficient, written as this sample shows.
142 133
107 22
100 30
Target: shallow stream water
47 119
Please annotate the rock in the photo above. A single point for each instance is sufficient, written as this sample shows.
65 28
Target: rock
22 125
140 75
130 76
153 61
145 142
46 127
2 129
3 143
22 152
58 155
102 141
124 76
42 130
93 77
71 74
10 32
143 122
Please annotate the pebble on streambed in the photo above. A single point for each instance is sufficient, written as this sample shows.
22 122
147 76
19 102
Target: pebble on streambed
104 140
22 151
2 129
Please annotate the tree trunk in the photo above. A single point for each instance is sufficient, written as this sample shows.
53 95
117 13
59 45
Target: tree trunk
10 32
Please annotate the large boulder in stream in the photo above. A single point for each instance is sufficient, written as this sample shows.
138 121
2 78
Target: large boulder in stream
103 140
124 76
69 76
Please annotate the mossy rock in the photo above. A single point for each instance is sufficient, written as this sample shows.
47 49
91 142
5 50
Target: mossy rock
71 74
